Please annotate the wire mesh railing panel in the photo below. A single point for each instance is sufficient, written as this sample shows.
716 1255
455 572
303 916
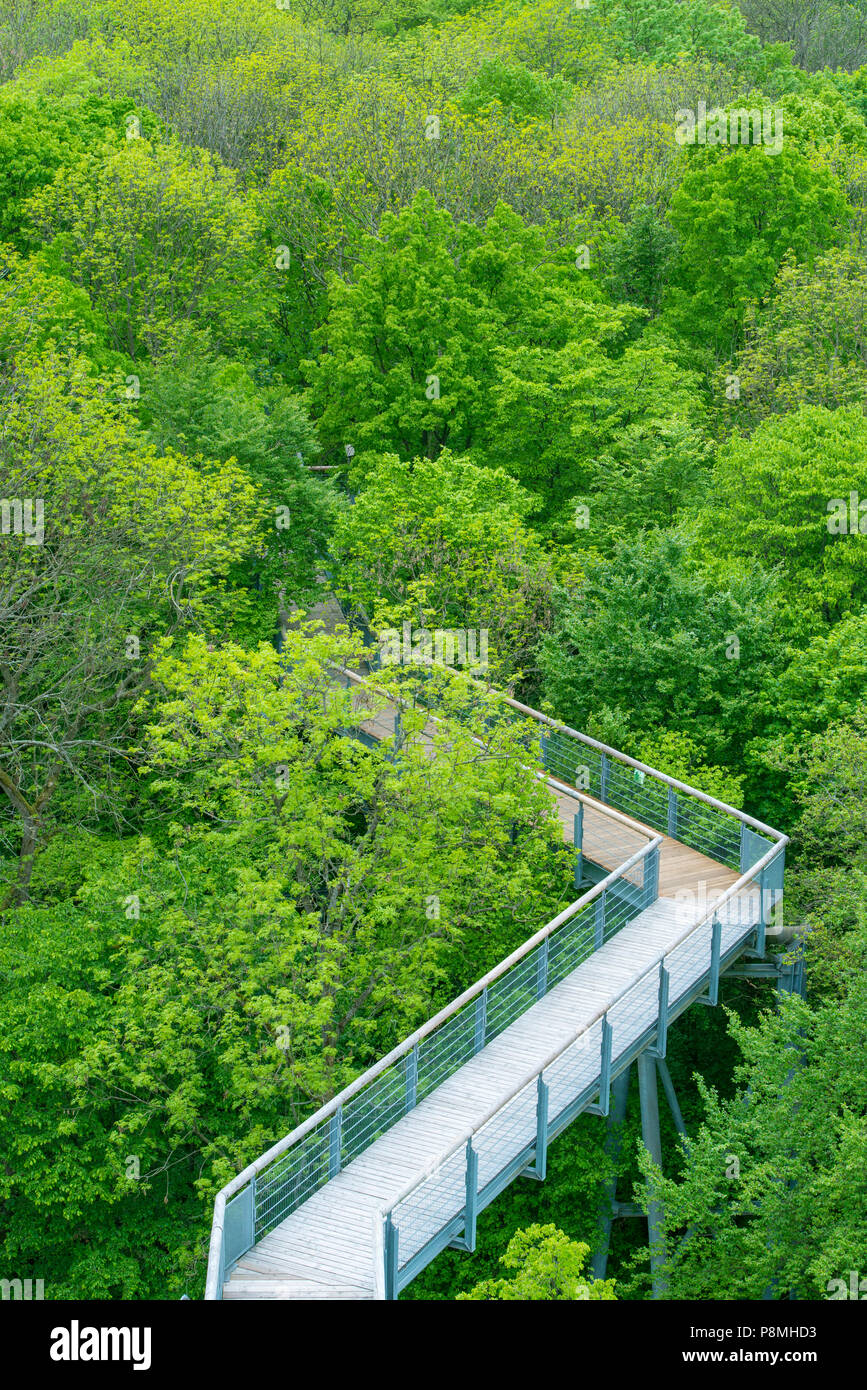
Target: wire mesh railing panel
446 1050
689 960
574 1070
618 914
637 794
572 762
708 830
293 1177
372 1112
742 912
571 945
514 992
430 1207
506 1135
633 1013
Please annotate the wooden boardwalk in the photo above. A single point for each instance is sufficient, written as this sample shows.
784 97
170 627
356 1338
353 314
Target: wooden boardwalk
328 1248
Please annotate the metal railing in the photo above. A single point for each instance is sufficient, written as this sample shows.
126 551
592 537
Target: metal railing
281 1180
444 1202
698 820
673 808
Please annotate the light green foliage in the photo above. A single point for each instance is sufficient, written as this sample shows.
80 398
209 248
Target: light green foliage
679 756
828 883
324 841
482 341
37 139
132 544
443 544
772 501
40 306
822 685
769 1196
154 234
666 30
517 89
418 349
738 214
547 1265
652 472
807 345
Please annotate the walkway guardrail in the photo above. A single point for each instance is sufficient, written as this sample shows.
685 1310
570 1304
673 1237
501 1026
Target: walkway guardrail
281 1180
516 1132
270 1189
672 807
667 805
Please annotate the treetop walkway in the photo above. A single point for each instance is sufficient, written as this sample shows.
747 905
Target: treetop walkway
357 1200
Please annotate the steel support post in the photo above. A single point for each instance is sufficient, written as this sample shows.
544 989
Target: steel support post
648 1096
613 1146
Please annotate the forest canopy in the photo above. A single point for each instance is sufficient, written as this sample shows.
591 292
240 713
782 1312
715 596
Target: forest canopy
421 307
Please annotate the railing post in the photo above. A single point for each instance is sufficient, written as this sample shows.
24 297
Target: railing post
541 1162
252 1211
661 1013
411 1079
743 853
651 877
334 1130
605 1067
603 778
760 933
542 970
578 841
471 1195
481 1024
599 935
715 939
672 813
390 1247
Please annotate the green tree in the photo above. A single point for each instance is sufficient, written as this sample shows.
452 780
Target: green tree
197 402
444 544
155 234
548 1265
641 259
771 1196
826 882
665 31
517 89
645 642
111 546
738 214
782 498
807 345
460 337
